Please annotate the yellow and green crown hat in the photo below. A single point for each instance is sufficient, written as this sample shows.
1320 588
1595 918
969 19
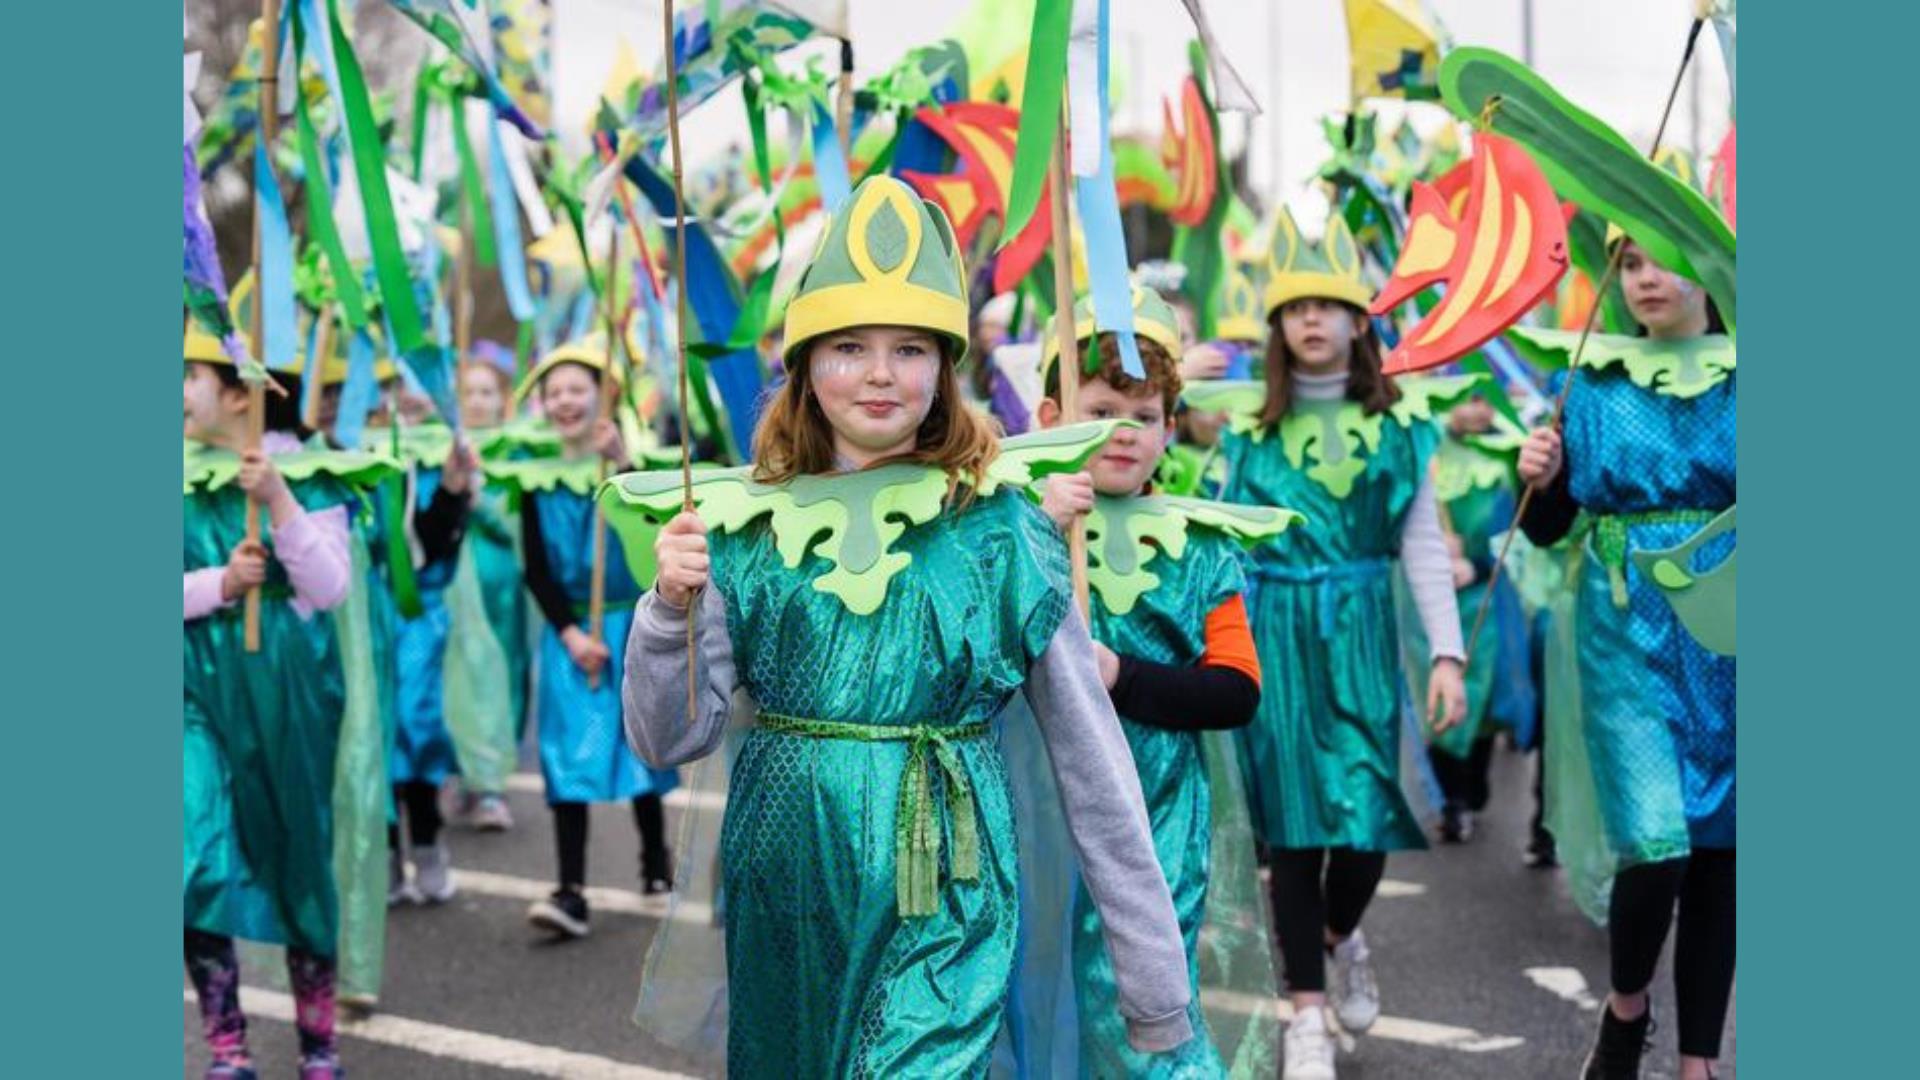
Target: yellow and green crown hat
1674 162
1153 319
202 347
589 351
1330 269
887 258
1241 316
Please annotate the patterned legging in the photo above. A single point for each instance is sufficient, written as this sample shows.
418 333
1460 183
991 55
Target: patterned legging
215 971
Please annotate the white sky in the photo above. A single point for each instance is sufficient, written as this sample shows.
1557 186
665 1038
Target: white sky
1615 59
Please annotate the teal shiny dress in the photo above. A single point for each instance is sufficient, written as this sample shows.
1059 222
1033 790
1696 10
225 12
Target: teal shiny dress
1166 626
826 977
257 772
584 755
1321 758
1658 708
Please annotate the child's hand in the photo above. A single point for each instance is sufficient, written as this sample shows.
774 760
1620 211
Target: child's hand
246 568
606 437
589 653
1108 663
457 474
1540 458
681 553
261 480
1067 496
1204 361
1446 695
1463 573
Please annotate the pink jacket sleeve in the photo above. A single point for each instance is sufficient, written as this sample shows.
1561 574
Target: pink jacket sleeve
202 589
313 548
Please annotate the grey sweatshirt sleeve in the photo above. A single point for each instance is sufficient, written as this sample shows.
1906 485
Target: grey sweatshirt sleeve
654 692
1107 817
1429 569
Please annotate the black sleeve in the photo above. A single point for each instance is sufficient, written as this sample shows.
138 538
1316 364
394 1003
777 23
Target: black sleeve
1205 698
547 592
1550 512
440 525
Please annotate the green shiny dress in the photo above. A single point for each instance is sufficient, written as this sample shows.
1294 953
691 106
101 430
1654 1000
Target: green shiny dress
827 978
1322 757
258 766
1166 625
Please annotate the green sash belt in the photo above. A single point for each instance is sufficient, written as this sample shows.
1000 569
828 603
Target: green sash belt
917 829
1610 540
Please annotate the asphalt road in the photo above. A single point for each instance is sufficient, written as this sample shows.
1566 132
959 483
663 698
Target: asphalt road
1486 968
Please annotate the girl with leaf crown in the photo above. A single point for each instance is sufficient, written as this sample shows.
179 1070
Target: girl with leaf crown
898 595
1328 435
583 756
1646 449
261 725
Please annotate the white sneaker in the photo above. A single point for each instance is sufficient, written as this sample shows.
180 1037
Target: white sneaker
399 889
1310 1047
433 873
1351 986
490 814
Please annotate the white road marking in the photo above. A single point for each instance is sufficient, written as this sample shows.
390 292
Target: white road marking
1390 888
531 784
1565 983
458 1044
1397 1029
599 898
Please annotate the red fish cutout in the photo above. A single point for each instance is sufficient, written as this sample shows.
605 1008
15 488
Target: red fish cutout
1189 156
1493 232
982 135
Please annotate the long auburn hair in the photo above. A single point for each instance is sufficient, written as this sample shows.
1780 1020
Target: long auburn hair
794 437
1375 391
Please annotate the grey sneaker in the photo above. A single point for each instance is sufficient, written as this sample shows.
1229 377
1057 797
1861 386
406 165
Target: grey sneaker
490 814
1309 1047
433 873
1351 987
399 889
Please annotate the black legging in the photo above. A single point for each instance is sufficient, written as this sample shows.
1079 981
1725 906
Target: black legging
1316 890
570 839
421 801
1638 915
1463 781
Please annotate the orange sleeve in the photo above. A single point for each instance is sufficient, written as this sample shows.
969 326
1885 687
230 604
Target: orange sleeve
1230 640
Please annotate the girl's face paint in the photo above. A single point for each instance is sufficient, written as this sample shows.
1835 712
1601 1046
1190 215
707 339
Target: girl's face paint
1668 305
875 385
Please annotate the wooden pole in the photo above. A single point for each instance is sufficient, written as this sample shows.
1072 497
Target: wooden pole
680 320
317 370
1069 363
843 108
257 392
609 390
1579 350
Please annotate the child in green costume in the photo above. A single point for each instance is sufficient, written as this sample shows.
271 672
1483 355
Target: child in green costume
871 888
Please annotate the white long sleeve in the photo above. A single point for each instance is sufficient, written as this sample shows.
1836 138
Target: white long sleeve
1429 569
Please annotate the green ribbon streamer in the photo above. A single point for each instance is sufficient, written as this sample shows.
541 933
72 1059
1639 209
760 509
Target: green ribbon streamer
393 494
1039 112
421 81
917 828
1610 541
370 166
1200 249
473 190
346 283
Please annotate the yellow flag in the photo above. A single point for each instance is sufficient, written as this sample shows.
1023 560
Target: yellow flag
1395 47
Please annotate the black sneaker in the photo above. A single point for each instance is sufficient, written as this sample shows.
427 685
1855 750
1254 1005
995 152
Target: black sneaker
564 913
1540 851
1617 1049
656 886
1456 824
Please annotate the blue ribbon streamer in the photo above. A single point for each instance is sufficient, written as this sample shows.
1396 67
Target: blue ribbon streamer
1106 243
359 391
829 164
277 323
712 296
506 229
